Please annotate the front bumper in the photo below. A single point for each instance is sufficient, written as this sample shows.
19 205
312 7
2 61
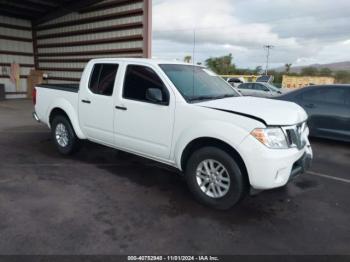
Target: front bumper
271 168
301 166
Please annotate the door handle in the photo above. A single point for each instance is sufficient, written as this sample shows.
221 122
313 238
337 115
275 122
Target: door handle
121 108
310 106
86 101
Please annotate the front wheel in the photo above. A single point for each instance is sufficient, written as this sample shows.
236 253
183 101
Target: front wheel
215 178
64 136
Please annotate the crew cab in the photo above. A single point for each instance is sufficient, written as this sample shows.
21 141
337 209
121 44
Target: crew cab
184 116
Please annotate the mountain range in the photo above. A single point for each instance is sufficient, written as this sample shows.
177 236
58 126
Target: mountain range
333 66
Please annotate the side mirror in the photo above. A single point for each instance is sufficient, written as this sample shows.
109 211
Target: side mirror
154 95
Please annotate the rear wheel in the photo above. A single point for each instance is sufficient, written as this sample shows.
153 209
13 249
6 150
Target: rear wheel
215 178
64 136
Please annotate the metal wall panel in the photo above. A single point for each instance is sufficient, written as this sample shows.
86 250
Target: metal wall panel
15 32
86 48
119 21
14 21
65 44
17 59
73 16
12 45
16 46
88 37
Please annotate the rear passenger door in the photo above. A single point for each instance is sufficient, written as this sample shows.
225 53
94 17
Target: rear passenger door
246 89
96 104
142 125
347 104
261 90
327 110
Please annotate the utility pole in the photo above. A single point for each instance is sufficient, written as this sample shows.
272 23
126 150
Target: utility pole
194 46
268 48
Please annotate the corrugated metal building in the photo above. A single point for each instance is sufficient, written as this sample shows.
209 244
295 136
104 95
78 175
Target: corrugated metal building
60 36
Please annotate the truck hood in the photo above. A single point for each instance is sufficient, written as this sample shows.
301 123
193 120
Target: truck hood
268 111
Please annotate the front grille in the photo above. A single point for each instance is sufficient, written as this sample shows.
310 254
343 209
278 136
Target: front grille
296 135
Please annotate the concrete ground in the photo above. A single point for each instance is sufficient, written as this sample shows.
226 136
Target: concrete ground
102 201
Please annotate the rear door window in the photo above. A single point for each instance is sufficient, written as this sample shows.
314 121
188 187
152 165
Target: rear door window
334 95
259 87
246 86
103 78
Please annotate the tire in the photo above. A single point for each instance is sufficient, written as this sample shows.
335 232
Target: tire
63 135
236 184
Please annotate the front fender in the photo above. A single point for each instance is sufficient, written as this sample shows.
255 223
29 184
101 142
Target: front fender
223 131
71 113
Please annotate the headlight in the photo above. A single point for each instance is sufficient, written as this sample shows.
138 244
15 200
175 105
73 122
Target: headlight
271 137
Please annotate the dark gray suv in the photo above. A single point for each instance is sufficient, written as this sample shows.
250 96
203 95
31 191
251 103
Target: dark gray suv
328 108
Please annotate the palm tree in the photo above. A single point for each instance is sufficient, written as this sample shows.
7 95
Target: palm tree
288 68
188 59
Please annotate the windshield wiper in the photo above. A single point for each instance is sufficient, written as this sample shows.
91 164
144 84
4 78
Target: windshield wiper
225 96
202 98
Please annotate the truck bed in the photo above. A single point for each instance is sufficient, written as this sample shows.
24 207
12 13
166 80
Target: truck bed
63 87
64 96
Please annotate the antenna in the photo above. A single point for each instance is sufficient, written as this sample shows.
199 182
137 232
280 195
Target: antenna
268 48
194 46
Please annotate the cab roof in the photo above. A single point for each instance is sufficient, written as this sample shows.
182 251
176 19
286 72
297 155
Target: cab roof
139 60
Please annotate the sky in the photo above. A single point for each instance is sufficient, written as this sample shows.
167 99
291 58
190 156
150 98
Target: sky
302 32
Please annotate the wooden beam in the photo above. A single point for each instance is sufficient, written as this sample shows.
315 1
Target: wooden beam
21 65
7 76
17 27
64 9
74 60
94 42
6 52
73 79
68 60
147 28
61 69
15 15
93 30
111 4
44 2
40 5
15 38
20 12
35 47
24 6
96 52
93 19
16 93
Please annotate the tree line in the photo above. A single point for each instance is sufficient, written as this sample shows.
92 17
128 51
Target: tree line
224 65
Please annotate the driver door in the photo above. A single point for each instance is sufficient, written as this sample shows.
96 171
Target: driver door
246 89
143 126
261 90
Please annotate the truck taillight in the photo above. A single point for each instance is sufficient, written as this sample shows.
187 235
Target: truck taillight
34 96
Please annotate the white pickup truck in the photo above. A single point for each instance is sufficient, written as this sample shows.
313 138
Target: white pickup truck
184 116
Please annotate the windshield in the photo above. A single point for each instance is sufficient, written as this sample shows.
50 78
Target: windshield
198 83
